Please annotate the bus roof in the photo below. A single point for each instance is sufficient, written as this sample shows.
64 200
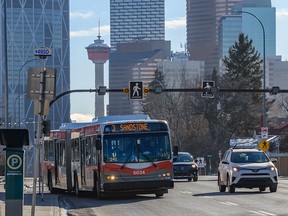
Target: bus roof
102 119
67 126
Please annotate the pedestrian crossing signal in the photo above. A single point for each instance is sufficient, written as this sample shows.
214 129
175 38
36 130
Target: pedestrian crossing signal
207 89
136 90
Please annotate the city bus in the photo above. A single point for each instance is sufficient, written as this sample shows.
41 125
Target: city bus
111 155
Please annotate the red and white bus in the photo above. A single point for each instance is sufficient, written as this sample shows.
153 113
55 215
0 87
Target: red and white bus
111 157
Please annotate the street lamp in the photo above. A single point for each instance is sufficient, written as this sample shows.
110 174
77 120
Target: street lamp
159 89
20 90
264 66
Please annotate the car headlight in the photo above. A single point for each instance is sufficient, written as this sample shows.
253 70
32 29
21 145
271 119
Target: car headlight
236 169
194 166
271 168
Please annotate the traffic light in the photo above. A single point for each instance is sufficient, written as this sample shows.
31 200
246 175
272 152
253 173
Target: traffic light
136 90
46 127
207 87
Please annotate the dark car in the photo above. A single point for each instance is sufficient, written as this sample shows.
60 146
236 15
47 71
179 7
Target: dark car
184 167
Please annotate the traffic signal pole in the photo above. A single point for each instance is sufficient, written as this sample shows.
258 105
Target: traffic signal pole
38 148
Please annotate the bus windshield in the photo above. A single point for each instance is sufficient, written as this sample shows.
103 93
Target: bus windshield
134 148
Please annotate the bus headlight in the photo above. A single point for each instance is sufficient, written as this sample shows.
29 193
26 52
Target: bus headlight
165 176
111 177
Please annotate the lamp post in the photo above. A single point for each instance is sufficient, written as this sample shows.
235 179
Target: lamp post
264 66
20 90
161 84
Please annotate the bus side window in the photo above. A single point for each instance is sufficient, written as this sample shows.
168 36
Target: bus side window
88 151
46 150
62 153
75 150
94 150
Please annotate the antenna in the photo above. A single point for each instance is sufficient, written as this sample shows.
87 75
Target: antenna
99 30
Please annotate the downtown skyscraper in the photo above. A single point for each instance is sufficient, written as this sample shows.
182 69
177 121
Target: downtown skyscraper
30 25
137 37
202 30
136 20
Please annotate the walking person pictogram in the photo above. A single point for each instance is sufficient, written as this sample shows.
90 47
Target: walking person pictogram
207 88
136 90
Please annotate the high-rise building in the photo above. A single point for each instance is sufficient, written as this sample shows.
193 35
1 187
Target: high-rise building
202 30
30 25
134 61
136 20
137 37
255 14
252 28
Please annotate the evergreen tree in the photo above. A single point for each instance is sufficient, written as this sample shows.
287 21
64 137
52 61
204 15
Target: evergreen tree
243 67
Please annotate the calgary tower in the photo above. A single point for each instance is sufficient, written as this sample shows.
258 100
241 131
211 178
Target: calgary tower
98 53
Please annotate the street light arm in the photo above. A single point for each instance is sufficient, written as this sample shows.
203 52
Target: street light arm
264 64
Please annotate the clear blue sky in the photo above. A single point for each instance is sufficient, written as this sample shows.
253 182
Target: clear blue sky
84 18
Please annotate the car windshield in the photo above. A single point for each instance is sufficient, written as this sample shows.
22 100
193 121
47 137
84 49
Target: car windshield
184 158
249 157
126 148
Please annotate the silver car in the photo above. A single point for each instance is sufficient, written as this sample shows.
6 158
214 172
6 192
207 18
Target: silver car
247 168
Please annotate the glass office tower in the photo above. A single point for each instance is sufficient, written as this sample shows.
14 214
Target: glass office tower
30 25
136 20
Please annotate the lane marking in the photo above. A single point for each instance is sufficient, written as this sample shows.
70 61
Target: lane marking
229 203
267 213
186 192
263 213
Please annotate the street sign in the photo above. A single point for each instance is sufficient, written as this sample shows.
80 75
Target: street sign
264 132
201 162
207 89
34 76
42 51
136 90
264 145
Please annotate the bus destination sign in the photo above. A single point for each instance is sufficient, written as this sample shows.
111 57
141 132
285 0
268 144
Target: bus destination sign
135 127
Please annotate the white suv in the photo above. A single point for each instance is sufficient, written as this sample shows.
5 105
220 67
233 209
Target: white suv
247 168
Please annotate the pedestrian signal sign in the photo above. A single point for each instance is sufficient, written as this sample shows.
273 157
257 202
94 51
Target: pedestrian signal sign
136 90
207 89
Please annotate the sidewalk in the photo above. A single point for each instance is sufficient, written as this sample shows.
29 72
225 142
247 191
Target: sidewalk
49 206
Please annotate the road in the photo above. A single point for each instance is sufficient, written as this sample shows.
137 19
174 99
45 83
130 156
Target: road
187 198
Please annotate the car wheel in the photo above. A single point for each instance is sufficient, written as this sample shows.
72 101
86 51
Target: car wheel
189 179
159 195
273 188
231 189
195 178
222 188
262 188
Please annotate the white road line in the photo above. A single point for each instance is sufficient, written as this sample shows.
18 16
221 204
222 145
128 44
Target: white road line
267 213
262 213
186 192
228 203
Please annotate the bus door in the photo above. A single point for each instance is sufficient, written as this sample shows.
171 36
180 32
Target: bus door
83 160
57 149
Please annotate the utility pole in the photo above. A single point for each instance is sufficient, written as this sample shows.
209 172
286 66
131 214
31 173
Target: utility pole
42 53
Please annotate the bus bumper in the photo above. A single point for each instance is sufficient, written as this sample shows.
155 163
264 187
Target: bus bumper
139 186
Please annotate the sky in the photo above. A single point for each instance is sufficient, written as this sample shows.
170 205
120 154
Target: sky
85 16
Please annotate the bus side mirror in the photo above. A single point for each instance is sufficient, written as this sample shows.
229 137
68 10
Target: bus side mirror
175 152
98 143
